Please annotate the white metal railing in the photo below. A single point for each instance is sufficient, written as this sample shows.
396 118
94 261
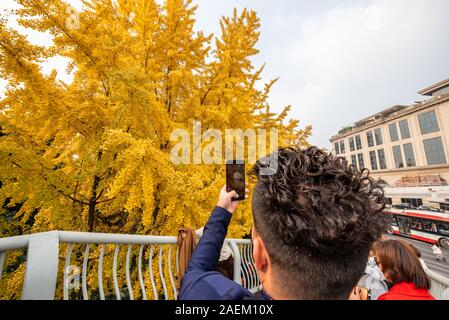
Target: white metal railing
149 271
143 243
245 268
91 259
440 285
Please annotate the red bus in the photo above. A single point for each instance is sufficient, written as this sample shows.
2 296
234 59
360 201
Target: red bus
427 226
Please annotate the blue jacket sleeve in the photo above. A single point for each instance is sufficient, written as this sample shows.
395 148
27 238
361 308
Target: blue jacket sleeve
207 253
202 281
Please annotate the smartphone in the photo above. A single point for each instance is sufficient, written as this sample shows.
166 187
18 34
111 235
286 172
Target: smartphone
235 178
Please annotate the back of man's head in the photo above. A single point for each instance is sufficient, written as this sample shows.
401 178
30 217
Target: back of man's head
318 218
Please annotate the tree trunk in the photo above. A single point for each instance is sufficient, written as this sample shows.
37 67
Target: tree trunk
93 204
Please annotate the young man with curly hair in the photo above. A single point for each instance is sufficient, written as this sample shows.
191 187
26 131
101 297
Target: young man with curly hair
315 221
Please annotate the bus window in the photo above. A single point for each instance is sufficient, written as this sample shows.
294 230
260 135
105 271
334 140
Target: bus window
394 221
429 227
417 224
443 228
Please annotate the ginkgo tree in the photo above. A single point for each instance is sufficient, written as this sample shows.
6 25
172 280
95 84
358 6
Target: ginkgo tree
94 154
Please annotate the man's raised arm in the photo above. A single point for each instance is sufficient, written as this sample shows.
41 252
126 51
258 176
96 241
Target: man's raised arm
202 281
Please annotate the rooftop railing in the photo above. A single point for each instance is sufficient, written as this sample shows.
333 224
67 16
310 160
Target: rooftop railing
76 265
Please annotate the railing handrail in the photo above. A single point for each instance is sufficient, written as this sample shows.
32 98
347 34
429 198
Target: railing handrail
110 238
240 241
19 242
14 243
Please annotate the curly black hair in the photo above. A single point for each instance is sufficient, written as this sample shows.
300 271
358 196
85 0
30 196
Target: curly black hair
318 217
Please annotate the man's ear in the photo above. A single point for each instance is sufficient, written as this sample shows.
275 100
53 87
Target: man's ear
260 253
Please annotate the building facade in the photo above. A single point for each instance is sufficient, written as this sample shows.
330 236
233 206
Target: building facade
407 147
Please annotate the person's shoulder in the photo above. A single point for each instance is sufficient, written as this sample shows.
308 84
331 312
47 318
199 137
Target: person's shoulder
395 293
384 296
405 296
393 296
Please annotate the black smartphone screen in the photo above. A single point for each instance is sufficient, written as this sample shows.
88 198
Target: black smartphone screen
235 178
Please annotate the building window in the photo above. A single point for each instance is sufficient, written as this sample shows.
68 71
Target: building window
358 142
342 147
361 161
370 139
394 135
378 135
434 151
398 161
337 148
409 155
428 122
373 160
415 202
354 160
389 201
405 130
441 91
351 144
382 159
444 206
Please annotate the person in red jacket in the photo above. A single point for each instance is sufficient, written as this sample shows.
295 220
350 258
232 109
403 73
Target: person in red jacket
402 268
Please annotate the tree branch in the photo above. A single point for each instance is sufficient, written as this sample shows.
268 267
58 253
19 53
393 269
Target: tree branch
68 196
106 200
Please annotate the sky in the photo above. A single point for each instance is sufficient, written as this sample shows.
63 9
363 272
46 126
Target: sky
338 60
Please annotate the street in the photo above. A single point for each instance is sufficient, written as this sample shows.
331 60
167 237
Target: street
440 267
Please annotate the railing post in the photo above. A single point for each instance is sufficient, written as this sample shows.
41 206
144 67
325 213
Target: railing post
237 261
2 262
41 266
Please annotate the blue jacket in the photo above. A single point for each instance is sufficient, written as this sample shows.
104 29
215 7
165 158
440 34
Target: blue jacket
201 280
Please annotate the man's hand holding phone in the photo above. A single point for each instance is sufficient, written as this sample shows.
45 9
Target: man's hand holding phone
235 188
226 199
